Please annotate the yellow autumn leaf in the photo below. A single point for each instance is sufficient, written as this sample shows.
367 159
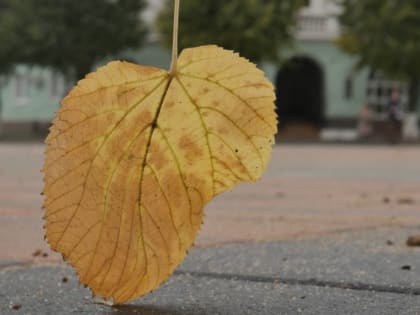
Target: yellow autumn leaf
135 153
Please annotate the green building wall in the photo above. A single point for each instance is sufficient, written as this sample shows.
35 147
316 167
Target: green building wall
336 67
38 105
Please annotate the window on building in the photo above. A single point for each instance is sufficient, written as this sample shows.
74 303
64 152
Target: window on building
22 88
379 89
57 85
348 88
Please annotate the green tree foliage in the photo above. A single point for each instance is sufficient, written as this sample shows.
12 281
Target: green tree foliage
67 35
385 35
255 28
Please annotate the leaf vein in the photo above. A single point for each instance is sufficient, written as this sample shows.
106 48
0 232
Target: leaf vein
243 101
237 127
178 166
97 152
204 127
105 201
167 202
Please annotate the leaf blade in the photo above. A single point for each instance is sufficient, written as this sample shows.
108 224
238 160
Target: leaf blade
134 155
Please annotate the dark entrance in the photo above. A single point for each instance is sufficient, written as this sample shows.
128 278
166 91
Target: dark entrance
300 93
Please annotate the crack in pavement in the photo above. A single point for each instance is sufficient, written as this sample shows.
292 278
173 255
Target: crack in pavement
357 286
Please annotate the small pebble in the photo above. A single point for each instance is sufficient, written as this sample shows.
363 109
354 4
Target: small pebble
16 306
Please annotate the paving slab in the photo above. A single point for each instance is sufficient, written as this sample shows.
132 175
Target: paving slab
351 273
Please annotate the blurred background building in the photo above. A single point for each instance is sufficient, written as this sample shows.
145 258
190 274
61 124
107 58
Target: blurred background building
319 92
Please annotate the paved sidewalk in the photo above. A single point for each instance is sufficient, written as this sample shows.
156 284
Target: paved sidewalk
322 233
348 273
307 191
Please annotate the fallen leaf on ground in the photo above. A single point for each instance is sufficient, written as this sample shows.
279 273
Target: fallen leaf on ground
413 240
135 153
406 201
37 253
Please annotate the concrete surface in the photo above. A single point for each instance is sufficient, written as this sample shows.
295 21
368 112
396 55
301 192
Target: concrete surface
307 191
322 233
347 274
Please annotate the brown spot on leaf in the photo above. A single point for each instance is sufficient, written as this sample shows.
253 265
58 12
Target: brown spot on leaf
173 185
158 157
169 104
190 147
145 117
194 181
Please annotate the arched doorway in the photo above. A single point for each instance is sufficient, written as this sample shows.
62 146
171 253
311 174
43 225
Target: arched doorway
300 97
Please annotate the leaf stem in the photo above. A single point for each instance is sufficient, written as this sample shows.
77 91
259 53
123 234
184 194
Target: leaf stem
172 70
